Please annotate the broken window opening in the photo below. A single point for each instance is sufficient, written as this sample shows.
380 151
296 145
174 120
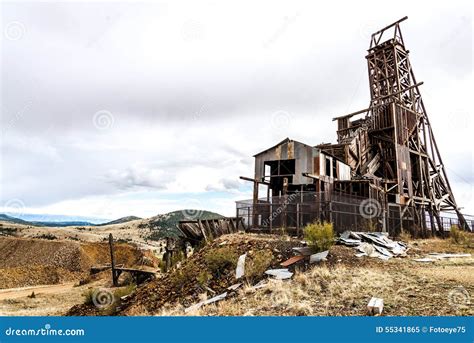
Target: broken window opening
328 166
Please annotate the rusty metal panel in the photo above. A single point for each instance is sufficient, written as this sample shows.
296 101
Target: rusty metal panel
291 150
292 260
316 163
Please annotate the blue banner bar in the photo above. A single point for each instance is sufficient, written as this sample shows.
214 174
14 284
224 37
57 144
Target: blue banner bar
236 329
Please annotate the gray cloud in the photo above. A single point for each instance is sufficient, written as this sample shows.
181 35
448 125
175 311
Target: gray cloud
192 89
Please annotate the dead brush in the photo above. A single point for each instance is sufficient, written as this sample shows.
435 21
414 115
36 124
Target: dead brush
460 237
257 263
405 236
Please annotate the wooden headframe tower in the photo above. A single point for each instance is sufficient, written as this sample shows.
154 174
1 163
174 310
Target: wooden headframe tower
394 143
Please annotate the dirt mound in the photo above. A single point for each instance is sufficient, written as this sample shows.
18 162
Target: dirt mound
29 262
212 270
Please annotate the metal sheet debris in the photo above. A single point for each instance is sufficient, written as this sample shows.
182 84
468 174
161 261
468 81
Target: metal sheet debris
205 302
292 260
279 274
234 286
319 257
425 259
383 251
345 235
349 241
211 290
375 305
367 249
373 244
305 251
432 257
259 285
443 256
240 270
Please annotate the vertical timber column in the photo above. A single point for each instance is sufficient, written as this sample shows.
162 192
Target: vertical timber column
112 260
255 201
285 202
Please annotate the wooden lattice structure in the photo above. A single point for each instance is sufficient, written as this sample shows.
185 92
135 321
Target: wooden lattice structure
393 144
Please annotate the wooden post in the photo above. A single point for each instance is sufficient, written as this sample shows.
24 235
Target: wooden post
285 202
255 202
112 261
202 230
169 253
248 218
270 217
298 220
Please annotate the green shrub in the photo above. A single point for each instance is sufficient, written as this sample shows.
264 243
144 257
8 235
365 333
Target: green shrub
320 236
89 297
121 292
162 265
220 260
179 277
203 278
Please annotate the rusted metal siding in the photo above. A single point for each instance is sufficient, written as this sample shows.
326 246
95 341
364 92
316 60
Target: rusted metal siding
308 159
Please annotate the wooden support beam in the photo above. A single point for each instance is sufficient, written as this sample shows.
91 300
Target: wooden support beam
112 261
254 180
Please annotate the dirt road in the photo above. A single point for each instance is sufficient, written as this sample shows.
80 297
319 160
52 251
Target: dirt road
13 293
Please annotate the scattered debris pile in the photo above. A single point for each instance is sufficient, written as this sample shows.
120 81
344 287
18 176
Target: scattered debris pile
373 244
213 273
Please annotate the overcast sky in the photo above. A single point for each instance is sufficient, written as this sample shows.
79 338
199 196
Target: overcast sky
125 108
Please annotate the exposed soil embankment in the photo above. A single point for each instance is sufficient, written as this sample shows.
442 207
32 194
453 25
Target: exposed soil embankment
29 262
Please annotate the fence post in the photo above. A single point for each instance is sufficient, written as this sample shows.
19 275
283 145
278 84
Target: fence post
384 220
330 210
248 218
298 220
270 218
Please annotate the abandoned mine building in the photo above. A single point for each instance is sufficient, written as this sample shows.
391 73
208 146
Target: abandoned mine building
384 172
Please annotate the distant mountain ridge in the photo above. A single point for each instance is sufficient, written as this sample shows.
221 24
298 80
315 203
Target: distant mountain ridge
7 218
120 220
161 225
12 219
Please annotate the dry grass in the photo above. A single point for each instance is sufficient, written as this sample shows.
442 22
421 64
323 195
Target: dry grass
320 291
344 291
344 284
